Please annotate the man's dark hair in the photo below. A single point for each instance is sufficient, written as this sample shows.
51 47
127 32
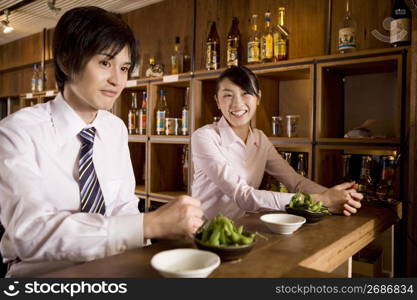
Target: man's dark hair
83 32
242 77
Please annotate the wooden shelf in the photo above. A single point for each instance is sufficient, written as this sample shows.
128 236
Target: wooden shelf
167 194
140 189
170 139
364 141
137 138
284 141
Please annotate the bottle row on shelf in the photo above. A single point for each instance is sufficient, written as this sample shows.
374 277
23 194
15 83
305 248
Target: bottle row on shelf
376 178
38 80
165 124
295 159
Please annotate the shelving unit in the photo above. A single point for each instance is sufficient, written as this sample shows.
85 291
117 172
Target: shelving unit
325 91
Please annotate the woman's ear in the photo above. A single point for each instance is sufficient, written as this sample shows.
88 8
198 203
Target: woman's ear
217 101
259 97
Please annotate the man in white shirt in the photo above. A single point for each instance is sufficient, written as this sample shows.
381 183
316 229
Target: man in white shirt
66 178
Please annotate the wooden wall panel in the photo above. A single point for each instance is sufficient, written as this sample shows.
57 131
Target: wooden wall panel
306 21
21 52
156 26
369 16
411 208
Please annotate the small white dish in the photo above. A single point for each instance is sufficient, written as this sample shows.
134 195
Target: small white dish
185 263
283 223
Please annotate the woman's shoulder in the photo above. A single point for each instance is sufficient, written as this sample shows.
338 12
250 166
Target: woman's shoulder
209 130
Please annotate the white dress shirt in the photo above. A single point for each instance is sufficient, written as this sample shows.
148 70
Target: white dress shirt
40 195
228 172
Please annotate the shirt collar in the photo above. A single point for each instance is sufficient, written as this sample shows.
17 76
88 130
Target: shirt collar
68 123
228 136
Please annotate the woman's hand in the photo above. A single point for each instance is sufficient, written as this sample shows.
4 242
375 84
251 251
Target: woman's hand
341 198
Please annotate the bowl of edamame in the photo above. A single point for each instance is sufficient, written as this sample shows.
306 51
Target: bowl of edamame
221 236
302 205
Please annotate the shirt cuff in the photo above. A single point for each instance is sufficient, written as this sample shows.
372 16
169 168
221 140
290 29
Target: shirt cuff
125 232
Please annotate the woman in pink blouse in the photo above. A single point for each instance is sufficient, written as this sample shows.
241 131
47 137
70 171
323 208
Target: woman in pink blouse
230 159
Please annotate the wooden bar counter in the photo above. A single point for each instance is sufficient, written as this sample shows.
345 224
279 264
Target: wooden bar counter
315 250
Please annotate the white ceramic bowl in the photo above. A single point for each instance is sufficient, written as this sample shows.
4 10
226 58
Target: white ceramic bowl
185 263
283 223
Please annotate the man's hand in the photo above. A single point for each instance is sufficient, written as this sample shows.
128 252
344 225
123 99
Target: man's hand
341 198
178 218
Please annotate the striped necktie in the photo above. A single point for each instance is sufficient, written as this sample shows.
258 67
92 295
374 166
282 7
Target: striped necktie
92 200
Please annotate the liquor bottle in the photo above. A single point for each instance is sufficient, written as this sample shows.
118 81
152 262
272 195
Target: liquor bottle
185 127
213 49
35 76
300 165
281 37
132 116
365 182
267 40
234 49
384 190
254 49
40 82
346 176
287 157
162 113
347 32
142 114
185 167
177 59
400 32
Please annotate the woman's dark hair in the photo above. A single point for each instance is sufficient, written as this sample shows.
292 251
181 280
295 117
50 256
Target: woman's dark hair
83 32
241 76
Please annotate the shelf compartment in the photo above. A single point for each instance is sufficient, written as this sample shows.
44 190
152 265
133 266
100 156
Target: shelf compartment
168 177
352 91
290 141
138 158
286 91
123 103
205 106
330 160
175 96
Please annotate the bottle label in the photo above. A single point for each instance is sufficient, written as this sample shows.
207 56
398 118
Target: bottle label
131 122
211 56
40 85
280 46
184 122
253 52
34 84
400 30
142 122
232 55
347 38
160 122
269 46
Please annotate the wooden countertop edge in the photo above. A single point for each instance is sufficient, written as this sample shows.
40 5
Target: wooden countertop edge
332 256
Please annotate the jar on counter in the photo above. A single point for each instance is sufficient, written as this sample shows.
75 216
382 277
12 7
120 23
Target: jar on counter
172 126
292 125
276 126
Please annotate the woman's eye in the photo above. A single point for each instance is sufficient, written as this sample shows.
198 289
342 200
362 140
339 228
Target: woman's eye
125 69
227 95
105 63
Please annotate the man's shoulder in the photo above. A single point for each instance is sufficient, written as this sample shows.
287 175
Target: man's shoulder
112 121
27 118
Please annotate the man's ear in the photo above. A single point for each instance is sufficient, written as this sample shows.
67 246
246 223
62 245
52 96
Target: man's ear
61 64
